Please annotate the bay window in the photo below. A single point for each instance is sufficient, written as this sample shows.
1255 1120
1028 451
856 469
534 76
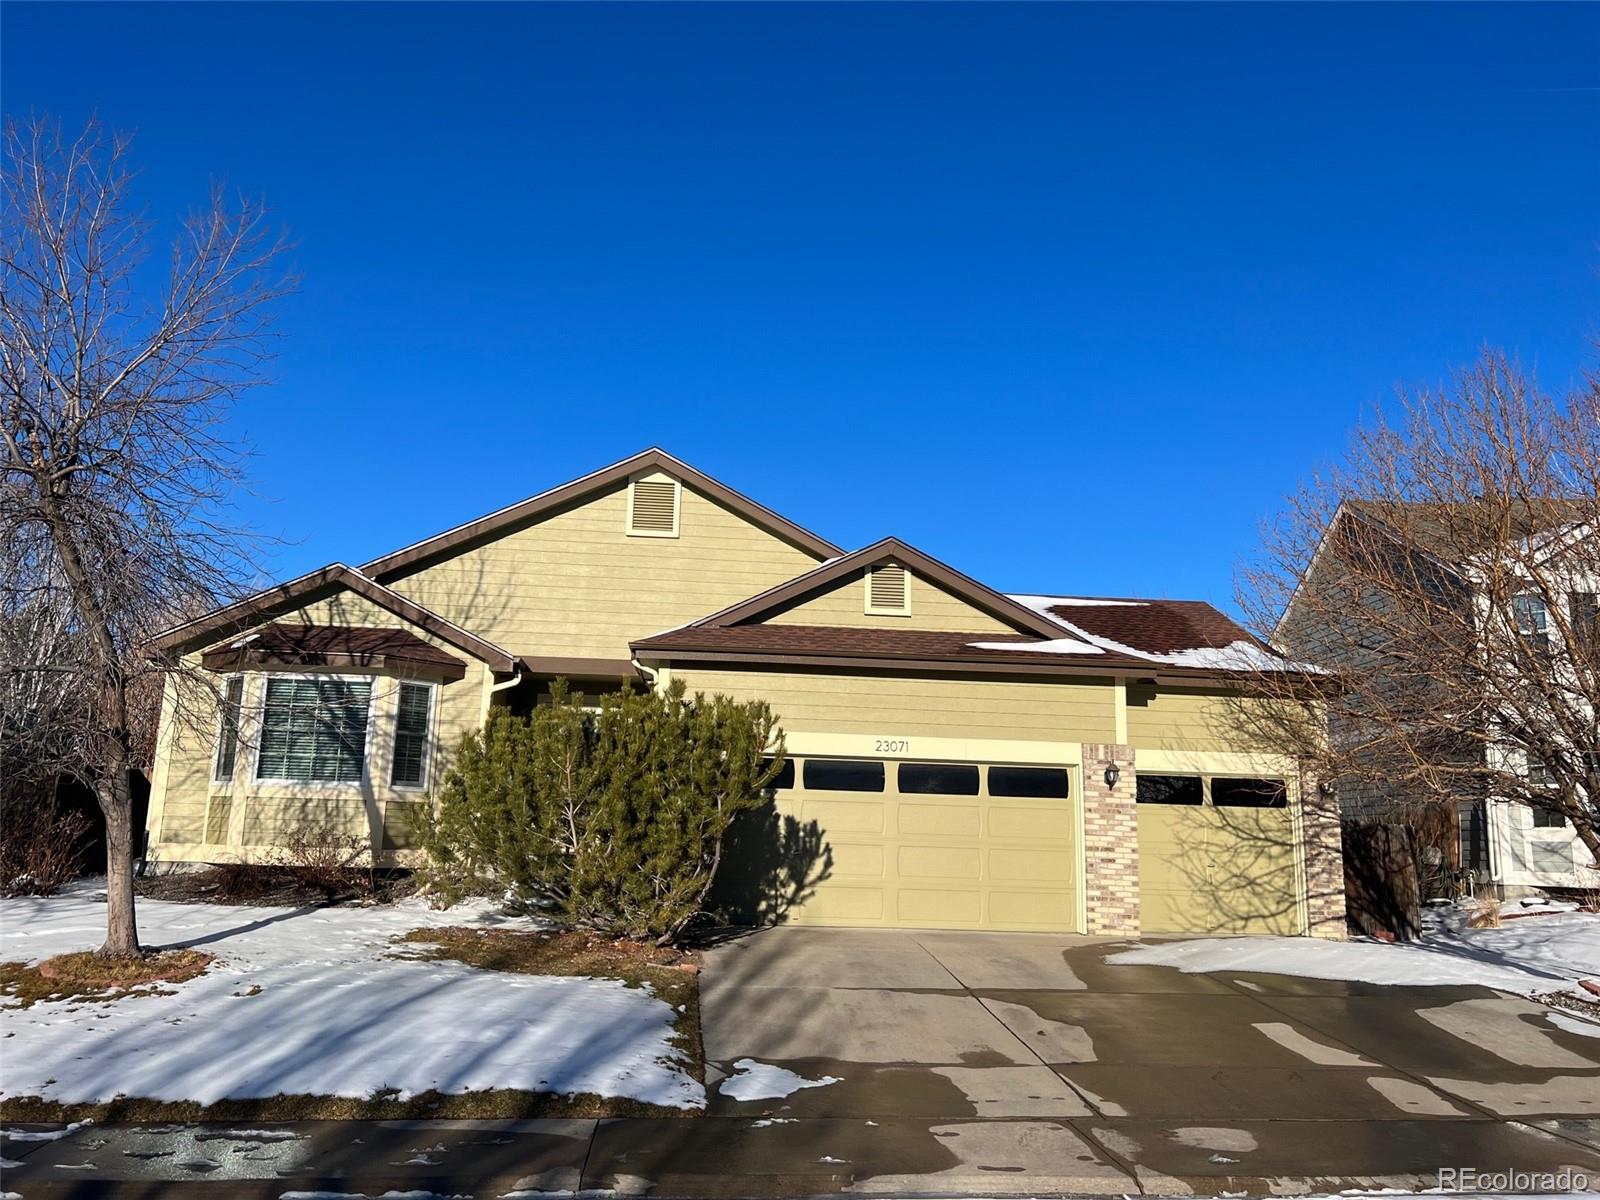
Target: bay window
314 730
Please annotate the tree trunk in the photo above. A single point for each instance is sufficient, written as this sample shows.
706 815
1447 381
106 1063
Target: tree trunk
116 802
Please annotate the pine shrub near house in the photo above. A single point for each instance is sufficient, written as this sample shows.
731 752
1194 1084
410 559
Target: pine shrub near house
612 818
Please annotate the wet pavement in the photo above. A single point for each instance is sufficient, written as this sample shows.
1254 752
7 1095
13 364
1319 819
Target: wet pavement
975 1064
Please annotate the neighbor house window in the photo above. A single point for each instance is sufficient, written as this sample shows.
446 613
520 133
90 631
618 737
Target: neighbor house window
314 730
411 735
842 775
1168 789
1038 783
1541 776
1248 793
1586 620
1532 620
228 733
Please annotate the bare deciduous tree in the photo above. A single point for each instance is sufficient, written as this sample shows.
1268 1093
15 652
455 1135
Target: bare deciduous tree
1445 572
116 471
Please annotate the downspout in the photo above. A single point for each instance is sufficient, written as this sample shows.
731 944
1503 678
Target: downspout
650 673
512 682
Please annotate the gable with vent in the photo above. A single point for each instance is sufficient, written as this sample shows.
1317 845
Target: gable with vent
888 595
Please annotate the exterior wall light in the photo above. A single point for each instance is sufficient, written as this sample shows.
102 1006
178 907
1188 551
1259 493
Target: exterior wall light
1113 773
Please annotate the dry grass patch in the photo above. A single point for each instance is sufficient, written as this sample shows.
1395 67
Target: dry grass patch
497 1104
88 975
673 975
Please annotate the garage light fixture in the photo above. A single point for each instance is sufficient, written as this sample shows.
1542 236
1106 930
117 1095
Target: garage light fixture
1113 773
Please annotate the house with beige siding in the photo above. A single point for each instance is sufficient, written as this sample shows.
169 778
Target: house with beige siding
958 757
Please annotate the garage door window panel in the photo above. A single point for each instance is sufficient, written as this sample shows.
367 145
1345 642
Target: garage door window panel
1229 792
784 780
1169 789
1029 783
938 779
842 775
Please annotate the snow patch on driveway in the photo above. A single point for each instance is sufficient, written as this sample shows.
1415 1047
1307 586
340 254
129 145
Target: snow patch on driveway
754 1080
1530 955
336 1013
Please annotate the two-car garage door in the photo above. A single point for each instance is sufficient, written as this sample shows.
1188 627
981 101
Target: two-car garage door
937 845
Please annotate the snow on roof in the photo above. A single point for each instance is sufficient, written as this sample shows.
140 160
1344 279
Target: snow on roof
1042 604
1055 646
1242 654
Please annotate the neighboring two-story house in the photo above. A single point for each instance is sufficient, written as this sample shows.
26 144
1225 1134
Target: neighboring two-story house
1377 560
958 757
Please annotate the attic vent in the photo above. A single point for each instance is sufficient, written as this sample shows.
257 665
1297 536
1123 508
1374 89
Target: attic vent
889 590
653 508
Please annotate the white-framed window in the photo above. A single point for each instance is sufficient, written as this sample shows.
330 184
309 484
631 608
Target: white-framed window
314 729
1533 620
227 757
413 735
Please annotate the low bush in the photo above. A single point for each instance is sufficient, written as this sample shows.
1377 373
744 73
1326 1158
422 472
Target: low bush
41 847
328 861
613 817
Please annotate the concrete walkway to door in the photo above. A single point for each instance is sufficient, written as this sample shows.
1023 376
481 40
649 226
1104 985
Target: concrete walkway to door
1010 1063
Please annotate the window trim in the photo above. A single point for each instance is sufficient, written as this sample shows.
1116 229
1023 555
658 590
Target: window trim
628 526
427 735
321 784
217 778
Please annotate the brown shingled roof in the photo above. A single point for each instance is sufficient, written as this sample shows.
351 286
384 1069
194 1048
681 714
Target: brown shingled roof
818 642
923 649
336 646
1155 626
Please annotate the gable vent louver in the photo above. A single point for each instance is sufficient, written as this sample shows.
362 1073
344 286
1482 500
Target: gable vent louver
653 507
888 590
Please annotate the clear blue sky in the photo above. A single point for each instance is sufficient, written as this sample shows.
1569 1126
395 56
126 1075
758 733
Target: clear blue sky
1068 296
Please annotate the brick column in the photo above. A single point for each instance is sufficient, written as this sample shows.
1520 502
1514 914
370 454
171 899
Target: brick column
1110 842
1323 842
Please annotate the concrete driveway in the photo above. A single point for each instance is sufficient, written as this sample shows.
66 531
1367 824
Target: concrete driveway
1017 1062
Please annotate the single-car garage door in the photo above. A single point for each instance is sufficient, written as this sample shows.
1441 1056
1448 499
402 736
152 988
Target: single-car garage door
1216 855
936 845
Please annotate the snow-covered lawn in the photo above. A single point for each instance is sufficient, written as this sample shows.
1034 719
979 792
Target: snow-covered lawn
335 1014
1531 955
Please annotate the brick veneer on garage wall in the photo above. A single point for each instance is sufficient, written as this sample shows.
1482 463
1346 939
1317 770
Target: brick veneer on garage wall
1324 860
1110 841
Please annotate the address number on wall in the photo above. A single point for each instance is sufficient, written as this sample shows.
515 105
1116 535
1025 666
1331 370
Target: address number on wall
892 745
